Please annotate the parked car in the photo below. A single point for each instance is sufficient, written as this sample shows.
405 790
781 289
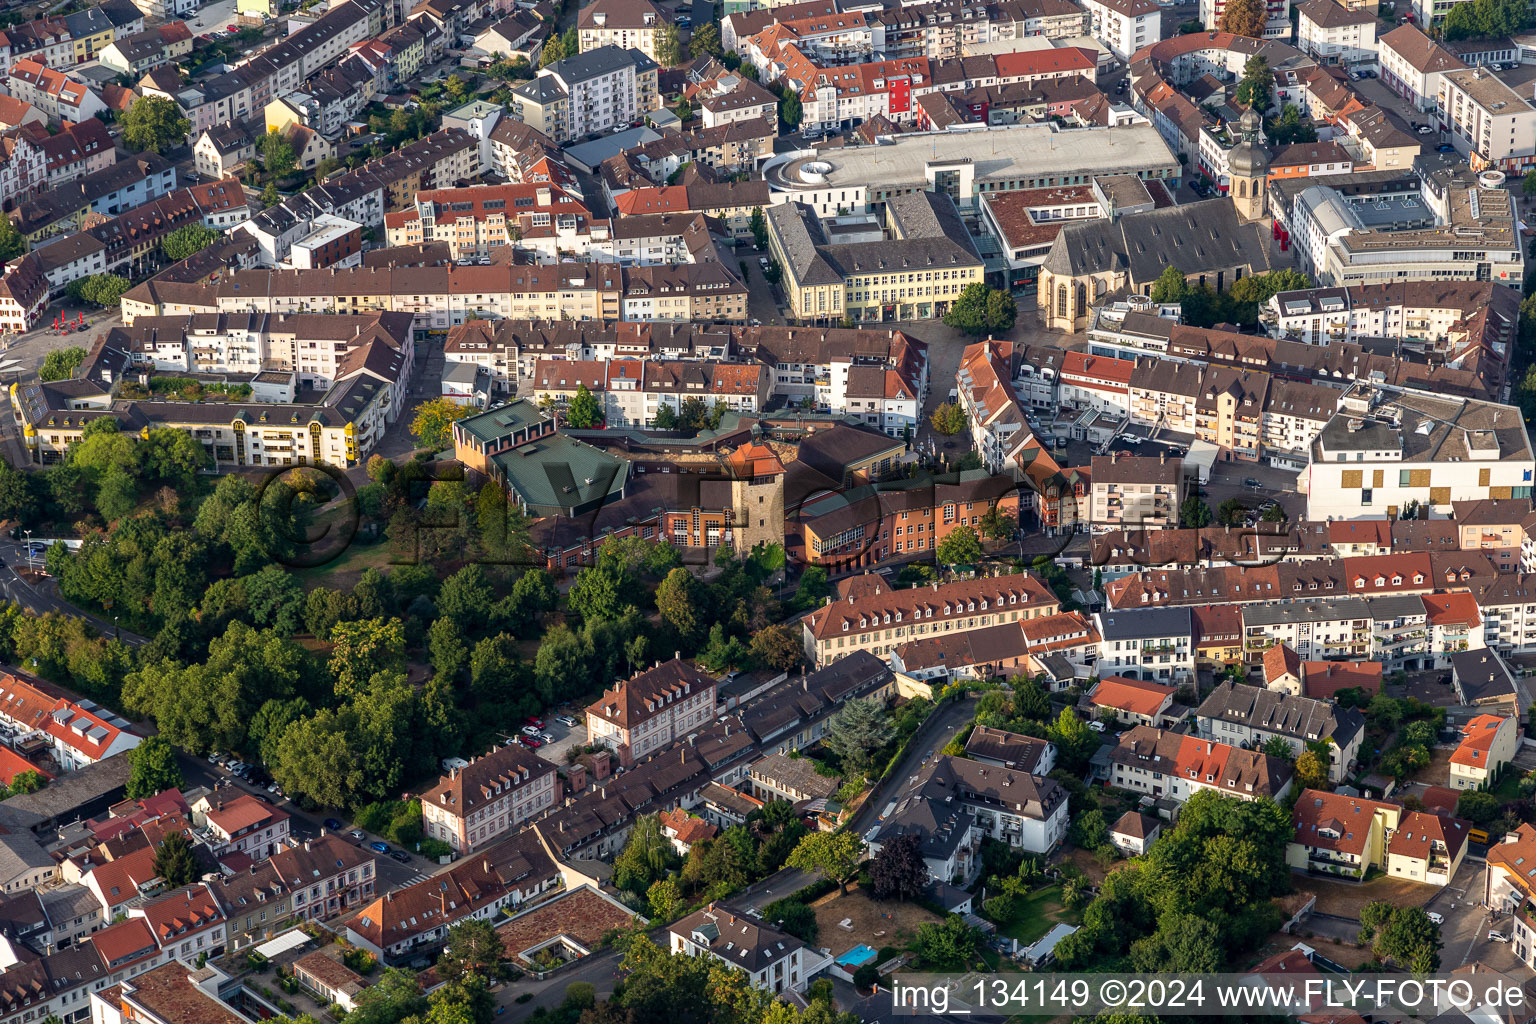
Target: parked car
1425 129
401 856
1497 937
1445 147
531 743
379 848
529 730
546 737
1435 918
1096 726
1249 481
357 834
535 721
332 824
566 720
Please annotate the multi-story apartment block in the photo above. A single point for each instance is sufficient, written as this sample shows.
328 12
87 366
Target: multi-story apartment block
490 797
1335 34
309 881
244 825
774 961
1494 528
476 220
598 91
1386 449
1176 766
1341 835
1250 716
1315 630
1488 742
1152 644
1136 492
651 709
626 24
1412 63
867 615
1277 24
1490 124
955 803
1507 605
1124 26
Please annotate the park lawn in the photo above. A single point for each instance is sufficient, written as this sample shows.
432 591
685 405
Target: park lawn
1037 912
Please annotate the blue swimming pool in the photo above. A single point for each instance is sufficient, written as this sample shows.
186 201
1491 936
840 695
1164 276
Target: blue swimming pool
857 957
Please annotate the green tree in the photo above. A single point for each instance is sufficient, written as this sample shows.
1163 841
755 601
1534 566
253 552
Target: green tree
859 728
1311 771
584 410
175 862
997 524
277 154
433 423
777 647
646 857
153 770
759 226
665 899
1244 18
473 947
99 289
669 49
948 419
982 310
363 648
270 196
1194 514
153 123
960 546
62 363
187 240
1258 81
454 86
12 244
949 945
790 111
1170 286
678 601
705 41
834 855
27 781
1073 737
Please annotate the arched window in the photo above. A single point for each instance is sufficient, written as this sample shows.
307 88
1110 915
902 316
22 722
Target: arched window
1242 188
1061 300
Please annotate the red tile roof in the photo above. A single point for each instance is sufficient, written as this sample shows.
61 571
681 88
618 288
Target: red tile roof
1322 680
1332 821
1133 695
1477 738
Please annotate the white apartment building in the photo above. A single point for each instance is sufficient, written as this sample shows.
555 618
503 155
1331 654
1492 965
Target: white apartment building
1507 605
1276 26
621 23
1490 124
1135 492
1412 64
1335 34
1250 716
1316 630
489 797
598 91
1124 26
1384 449
1154 644
773 960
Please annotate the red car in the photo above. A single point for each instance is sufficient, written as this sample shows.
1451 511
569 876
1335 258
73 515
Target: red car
531 743
232 28
535 721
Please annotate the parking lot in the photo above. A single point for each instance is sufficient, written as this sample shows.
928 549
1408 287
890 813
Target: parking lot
556 738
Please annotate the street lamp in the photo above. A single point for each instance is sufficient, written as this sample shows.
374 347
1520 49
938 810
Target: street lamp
29 549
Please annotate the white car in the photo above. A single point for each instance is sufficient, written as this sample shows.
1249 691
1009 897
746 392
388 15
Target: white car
1497 937
546 737
566 720
1436 918
1096 726
530 730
